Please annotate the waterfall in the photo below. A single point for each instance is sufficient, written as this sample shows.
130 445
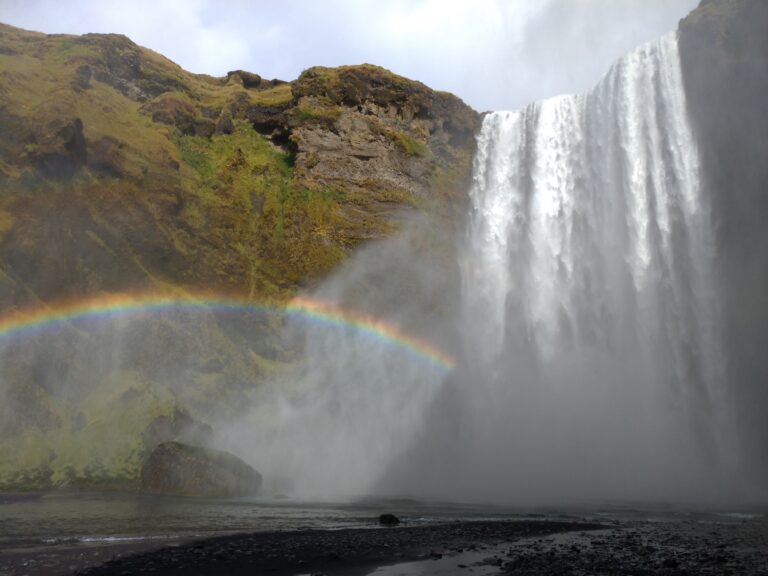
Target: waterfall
589 365
590 306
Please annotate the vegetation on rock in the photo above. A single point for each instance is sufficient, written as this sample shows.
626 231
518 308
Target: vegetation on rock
119 171
183 470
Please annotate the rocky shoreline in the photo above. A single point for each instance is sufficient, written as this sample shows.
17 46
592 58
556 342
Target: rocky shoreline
529 547
349 551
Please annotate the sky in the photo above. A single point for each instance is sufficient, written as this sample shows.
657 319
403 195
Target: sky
494 54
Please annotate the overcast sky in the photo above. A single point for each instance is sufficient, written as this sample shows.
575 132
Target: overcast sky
494 54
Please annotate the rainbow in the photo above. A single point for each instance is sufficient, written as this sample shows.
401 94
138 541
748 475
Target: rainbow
107 306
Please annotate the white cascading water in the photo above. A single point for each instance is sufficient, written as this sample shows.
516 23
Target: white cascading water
590 304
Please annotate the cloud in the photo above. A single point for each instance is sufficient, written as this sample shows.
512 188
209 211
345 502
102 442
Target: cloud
495 54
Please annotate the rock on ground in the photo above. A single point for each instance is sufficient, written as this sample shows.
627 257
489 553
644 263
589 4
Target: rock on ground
183 470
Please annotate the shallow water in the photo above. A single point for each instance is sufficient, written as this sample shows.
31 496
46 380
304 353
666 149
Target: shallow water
479 562
56 520
51 520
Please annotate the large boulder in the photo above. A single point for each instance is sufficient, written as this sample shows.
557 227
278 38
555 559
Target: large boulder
184 470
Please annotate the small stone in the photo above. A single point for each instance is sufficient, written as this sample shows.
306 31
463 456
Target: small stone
389 520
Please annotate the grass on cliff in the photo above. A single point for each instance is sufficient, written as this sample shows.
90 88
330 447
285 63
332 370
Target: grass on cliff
99 441
281 231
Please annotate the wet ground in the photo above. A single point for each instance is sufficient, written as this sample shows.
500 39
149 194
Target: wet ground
346 551
93 535
534 548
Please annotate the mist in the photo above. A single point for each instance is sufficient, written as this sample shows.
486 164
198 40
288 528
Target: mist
354 404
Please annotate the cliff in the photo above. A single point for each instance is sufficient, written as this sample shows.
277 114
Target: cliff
121 172
724 55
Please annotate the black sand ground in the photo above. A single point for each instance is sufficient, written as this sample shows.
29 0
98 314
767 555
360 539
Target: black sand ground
533 548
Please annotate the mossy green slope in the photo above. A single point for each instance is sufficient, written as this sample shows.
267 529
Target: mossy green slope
120 171
157 176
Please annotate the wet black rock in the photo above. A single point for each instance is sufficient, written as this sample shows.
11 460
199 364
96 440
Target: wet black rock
389 520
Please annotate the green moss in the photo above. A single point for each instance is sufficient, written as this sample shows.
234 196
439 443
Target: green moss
280 95
405 142
67 50
194 152
409 145
268 365
329 82
304 113
276 231
452 181
6 222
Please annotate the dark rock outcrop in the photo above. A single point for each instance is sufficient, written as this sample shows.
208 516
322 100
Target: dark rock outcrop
246 79
64 152
175 110
183 470
366 129
389 520
124 66
724 56
82 79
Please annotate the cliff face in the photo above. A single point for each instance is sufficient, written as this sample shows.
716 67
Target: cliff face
121 172
724 53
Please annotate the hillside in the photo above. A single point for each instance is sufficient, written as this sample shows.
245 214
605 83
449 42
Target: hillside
157 176
121 172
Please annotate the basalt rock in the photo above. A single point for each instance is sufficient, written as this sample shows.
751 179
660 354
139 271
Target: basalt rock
246 79
119 62
389 520
183 470
365 129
